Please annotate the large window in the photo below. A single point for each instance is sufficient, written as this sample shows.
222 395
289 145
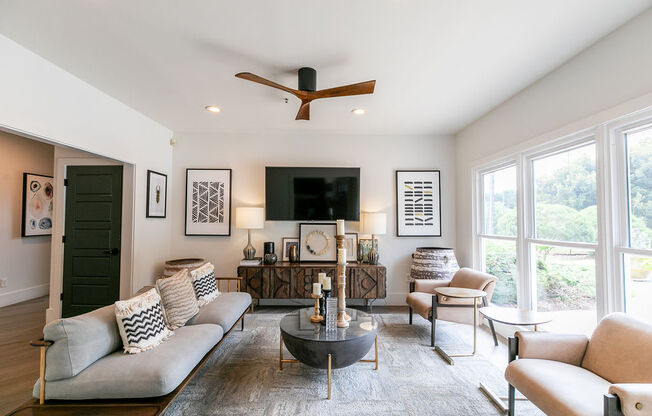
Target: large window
499 230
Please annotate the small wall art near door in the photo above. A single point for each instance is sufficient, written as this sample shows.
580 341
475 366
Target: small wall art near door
208 202
38 194
157 191
418 203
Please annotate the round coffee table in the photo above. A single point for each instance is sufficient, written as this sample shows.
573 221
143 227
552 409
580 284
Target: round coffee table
312 345
461 293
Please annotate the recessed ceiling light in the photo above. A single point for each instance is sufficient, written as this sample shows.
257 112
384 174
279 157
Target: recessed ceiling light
358 111
213 109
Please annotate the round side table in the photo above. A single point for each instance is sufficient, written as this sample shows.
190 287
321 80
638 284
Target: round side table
461 293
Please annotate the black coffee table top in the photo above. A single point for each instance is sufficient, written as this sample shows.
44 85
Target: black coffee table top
297 324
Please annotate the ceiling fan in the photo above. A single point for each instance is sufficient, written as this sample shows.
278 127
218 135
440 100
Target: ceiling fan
307 86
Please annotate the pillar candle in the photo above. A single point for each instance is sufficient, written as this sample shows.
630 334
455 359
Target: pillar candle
327 283
316 289
340 227
321 277
341 256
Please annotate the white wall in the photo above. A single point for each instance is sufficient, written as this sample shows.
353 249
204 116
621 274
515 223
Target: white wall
248 154
24 261
40 100
609 79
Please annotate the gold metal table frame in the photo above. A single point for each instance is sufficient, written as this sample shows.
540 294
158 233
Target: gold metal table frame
282 360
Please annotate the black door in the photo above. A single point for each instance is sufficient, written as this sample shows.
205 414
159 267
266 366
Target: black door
93 220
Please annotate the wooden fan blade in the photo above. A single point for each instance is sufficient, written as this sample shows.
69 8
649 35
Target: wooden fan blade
260 80
360 88
304 111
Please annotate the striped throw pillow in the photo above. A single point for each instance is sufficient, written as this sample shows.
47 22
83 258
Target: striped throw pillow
203 280
178 297
141 323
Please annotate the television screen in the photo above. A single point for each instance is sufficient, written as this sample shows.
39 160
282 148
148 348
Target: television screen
312 194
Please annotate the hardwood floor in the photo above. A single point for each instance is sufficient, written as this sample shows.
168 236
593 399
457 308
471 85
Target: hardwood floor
19 363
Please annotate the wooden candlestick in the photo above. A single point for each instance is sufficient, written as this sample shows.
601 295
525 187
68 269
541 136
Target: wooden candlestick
316 317
342 317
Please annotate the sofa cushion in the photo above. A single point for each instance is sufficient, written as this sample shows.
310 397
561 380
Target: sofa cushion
141 323
151 373
203 280
223 311
178 297
558 389
79 341
619 350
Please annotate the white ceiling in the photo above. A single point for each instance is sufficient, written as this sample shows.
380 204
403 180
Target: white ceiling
439 64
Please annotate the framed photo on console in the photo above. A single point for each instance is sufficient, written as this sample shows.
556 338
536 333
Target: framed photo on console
287 243
317 242
208 202
351 246
418 203
157 192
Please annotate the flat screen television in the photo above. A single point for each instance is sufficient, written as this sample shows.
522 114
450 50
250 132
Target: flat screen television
312 194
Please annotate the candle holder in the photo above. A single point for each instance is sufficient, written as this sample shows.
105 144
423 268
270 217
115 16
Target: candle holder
342 317
322 304
316 317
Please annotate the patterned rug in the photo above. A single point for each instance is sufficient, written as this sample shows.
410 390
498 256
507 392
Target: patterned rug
243 377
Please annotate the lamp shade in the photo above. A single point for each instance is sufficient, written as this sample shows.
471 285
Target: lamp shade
374 222
250 218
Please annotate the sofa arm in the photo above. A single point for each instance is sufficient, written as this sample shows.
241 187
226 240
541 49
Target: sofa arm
635 398
428 285
228 280
565 348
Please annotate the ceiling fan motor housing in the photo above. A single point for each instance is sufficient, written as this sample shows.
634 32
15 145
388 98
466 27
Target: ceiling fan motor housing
307 79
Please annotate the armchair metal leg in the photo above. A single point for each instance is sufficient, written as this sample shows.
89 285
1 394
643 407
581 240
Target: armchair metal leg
410 316
432 332
511 400
493 332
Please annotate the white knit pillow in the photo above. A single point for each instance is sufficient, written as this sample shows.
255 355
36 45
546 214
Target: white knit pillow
203 280
178 296
141 323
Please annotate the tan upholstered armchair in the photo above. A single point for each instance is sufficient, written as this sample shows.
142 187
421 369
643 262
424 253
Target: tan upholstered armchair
570 375
423 300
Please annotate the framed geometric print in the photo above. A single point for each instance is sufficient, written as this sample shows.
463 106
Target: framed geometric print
208 202
418 203
157 191
38 204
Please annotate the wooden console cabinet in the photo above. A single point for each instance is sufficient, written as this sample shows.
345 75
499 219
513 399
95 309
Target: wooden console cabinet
285 280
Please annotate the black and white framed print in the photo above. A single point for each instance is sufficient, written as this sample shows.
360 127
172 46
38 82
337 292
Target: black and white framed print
287 243
157 194
351 246
317 242
38 205
208 202
418 203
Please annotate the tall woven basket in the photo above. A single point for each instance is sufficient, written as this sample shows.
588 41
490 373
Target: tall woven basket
174 266
433 263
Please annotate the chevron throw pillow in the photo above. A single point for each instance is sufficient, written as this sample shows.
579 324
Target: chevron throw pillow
141 323
204 283
178 296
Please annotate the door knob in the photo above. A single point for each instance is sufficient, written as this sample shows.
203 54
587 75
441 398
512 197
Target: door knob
112 251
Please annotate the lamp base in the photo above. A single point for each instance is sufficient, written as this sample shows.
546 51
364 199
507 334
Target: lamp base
249 252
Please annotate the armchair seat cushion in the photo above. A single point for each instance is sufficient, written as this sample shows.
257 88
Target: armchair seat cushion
420 303
224 310
558 389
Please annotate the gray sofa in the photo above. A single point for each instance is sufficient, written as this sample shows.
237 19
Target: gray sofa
86 361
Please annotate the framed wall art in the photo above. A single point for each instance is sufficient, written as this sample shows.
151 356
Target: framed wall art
157 193
317 242
351 246
208 202
418 203
287 243
38 205
365 248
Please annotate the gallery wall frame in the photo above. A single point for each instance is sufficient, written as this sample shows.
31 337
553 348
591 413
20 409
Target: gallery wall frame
157 195
38 205
208 202
418 203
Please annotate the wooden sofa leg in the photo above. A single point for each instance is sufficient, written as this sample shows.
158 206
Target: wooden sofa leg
410 316
242 323
511 400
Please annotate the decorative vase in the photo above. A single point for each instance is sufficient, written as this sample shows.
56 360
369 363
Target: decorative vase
269 257
293 254
437 263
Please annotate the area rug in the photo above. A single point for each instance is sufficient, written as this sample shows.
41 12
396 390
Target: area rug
243 377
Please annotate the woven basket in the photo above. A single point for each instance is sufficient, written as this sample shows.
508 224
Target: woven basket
434 263
172 267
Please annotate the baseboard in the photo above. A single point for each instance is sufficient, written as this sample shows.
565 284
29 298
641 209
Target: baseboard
21 295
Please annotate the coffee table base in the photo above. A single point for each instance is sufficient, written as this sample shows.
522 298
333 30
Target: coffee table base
282 360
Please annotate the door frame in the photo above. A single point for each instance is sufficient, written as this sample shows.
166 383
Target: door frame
127 242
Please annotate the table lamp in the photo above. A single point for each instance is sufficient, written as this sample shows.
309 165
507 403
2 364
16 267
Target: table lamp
249 218
374 223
